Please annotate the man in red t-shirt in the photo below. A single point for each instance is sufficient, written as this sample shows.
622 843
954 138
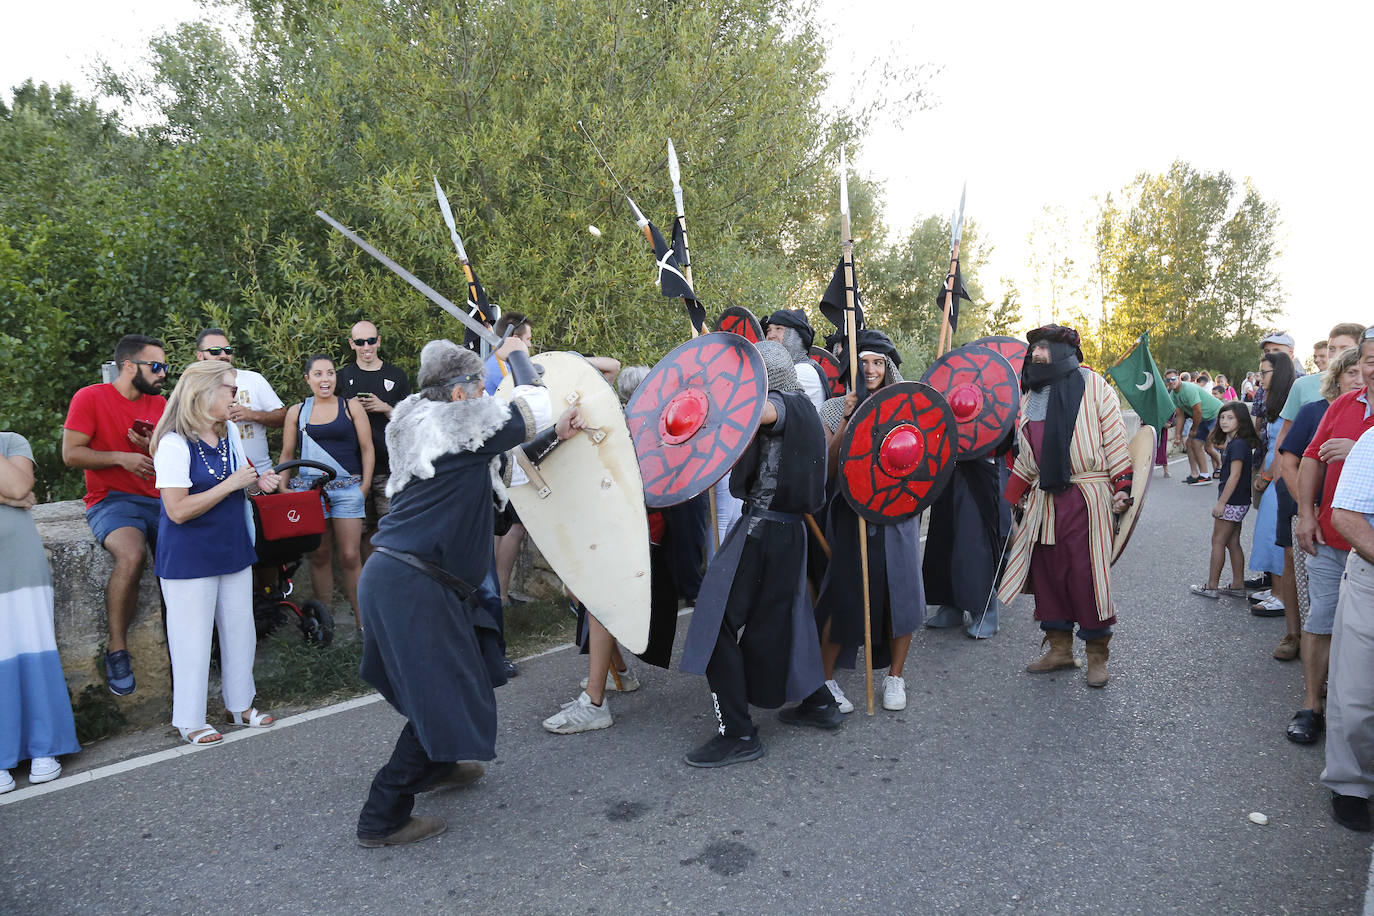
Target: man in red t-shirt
107 433
1345 421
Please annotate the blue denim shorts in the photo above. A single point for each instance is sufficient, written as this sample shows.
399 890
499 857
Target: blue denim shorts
1324 573
344 502
1204 429
124 510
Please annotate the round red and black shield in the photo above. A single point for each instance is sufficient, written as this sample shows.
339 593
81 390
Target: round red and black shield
739 320
695 414
983 393
1013 349
897 453
830 368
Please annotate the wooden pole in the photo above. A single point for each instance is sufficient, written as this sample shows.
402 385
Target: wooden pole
854 382
947 333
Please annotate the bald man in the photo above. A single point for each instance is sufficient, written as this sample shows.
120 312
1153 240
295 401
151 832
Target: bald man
379 387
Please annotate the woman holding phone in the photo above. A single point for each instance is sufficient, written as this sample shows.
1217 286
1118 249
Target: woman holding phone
335 431
205 549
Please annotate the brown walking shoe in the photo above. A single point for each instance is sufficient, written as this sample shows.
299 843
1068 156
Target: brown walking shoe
1058 656
461 776
415 830
1287 649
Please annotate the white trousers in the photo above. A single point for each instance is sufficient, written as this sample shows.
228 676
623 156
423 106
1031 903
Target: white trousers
194 607
1350 695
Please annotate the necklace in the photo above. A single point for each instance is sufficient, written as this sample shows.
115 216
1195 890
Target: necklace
221 451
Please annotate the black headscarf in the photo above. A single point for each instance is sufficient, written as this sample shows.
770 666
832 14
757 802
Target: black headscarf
870 341
794 319
1066 388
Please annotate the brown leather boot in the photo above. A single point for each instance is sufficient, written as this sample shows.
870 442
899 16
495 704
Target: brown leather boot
1097 660
1058 656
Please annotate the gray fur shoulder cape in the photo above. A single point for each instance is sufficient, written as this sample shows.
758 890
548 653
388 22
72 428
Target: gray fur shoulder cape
422 431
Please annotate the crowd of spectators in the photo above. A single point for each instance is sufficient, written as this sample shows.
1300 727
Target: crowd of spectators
1309 453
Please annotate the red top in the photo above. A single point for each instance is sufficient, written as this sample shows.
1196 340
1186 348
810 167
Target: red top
1347 418
101 412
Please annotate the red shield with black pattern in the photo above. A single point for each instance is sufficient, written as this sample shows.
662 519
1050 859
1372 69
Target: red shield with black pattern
983 392
1013 349
897 452
694 415
830 369
739 320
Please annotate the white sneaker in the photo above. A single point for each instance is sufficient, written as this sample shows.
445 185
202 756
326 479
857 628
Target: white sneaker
579 716
629 681
44 769
6 782
840 698
894 693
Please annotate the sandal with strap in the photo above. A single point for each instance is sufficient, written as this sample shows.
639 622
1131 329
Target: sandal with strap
253 719
1204 591
200 735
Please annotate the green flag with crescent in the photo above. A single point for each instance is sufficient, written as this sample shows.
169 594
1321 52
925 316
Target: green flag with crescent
1140 381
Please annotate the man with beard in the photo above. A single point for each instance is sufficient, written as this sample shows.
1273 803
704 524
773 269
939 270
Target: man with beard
790 328
106 434
1072 473
753 634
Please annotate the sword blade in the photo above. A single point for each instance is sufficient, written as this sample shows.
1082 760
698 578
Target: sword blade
423 288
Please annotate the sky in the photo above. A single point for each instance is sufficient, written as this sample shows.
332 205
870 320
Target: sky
1034 105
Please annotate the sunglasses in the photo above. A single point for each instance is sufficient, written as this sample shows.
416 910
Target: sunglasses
154 365
364 341
1368 334
216 351
233 390
1172 378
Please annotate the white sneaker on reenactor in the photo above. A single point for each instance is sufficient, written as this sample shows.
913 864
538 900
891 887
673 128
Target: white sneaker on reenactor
629 681
579 716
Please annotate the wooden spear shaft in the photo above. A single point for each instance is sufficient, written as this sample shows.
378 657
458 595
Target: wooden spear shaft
852 332
946 333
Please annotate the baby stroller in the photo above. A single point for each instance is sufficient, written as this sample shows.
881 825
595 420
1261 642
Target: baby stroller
289 525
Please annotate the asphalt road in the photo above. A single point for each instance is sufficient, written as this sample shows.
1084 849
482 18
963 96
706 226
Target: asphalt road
995 790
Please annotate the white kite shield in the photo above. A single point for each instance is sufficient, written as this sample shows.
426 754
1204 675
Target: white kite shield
1142 450
584 504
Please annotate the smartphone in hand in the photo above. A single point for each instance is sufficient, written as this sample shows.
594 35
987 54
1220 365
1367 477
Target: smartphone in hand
143 427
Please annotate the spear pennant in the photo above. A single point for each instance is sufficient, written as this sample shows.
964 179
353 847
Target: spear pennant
478 304
695 311
954 284
851 344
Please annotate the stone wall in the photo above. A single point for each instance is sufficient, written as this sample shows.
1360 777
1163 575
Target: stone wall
80 569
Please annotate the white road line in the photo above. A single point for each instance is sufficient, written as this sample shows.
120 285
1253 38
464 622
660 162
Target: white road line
1369 888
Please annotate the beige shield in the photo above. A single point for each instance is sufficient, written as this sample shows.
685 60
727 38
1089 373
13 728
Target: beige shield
584 503
1142 449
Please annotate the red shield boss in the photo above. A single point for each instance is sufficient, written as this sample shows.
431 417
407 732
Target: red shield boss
983 393
830 368
1012 349
897 453
739 320
694 414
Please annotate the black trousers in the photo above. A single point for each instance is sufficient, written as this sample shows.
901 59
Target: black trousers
392 796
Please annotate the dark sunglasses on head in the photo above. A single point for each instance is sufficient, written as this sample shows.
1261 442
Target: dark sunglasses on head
364 341
216 351
151 364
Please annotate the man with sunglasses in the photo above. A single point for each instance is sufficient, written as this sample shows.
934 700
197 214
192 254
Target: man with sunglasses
256 406
1193 402
379 387
107 434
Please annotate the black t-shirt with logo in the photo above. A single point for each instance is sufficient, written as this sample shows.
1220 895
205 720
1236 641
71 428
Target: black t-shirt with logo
389 384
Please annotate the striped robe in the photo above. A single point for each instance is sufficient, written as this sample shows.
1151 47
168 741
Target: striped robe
1097 456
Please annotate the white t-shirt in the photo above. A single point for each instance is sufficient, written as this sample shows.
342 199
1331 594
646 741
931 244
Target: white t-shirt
255 394
809 377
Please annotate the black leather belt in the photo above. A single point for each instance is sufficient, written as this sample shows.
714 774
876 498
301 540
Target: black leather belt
437 573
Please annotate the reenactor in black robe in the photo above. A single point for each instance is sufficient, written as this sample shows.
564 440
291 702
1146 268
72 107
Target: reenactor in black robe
428 648
755 585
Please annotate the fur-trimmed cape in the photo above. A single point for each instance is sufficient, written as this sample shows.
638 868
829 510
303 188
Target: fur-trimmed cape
422 431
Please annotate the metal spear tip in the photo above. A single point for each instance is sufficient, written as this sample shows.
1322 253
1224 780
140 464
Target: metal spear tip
673 170
640 218
844 184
